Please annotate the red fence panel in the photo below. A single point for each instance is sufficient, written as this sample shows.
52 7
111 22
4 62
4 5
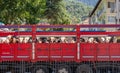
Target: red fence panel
88 51
103 52
0 52
69 51
100 52
55 52
115 52
7 52
42 51
23 51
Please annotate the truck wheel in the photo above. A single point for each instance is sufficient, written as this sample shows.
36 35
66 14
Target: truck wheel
63 69
84 69
40 70
2 72
12 71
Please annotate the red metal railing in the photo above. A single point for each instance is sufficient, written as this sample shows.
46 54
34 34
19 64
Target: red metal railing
60 51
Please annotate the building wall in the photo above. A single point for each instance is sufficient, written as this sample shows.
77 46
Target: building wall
86 21
100 14
110 12
118 11
106 13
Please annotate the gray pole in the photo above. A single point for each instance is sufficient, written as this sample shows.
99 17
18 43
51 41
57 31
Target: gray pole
117 11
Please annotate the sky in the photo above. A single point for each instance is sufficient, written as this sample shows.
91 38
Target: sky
89 2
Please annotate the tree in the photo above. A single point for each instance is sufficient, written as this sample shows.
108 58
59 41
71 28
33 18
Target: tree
77 10
56 12
35 11
21 11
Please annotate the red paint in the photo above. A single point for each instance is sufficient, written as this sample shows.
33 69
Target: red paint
60 51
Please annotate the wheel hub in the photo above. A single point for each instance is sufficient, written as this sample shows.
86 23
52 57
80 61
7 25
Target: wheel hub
40 71
63 70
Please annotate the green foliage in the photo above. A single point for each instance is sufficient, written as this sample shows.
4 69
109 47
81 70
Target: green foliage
39 11
77 10
56 12
21 11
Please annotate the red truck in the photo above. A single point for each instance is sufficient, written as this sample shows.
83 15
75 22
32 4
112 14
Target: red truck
80 51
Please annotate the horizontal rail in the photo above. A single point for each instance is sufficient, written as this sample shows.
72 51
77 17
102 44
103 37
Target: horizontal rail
100 33
60 26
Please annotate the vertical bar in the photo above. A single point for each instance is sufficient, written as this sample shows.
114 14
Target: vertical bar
33 41
78 42
78 51
117 11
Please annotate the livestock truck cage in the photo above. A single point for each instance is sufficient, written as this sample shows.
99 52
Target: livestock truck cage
73 49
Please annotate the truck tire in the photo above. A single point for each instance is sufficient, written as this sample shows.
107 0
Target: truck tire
63 69
12 71
40 70
84 69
